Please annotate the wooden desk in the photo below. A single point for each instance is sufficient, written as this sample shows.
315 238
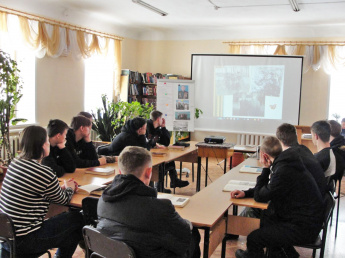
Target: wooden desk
221 151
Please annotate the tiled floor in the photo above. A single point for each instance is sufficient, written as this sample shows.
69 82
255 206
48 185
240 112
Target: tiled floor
334 245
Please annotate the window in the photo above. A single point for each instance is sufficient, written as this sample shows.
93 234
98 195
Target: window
337 95
99 80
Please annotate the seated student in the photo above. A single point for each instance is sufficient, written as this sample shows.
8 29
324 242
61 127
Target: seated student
59 159
26 193
320 132
337 143
159 136
79 144
294 214
129 211
132 134
343 127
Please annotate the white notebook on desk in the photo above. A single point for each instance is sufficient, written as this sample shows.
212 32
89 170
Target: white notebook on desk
250 169
233 185
177 201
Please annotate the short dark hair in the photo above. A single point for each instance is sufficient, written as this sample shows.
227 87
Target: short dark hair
79 121
271 146
137 123
86 114
286 133
155 115
335 128
56 126
32 141
323 129
133 159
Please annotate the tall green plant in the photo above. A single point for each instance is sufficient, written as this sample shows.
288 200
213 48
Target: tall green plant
10 94
109 119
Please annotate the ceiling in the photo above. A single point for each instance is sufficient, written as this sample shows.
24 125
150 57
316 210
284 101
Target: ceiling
196 19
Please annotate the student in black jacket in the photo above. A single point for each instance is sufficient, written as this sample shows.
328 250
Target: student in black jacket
337 143
294 214
159 137
59 159
79 144
132 134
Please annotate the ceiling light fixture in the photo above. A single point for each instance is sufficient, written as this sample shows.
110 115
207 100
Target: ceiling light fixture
150 7
294 5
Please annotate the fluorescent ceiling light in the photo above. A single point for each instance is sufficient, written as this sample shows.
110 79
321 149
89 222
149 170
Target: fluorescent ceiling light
294 5
150 7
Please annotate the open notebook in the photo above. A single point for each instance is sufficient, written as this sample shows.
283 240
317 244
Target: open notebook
250 169
238 185
177 201
91 189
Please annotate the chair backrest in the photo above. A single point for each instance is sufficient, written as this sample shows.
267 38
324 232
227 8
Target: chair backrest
89 205
7 232
101 245
329 203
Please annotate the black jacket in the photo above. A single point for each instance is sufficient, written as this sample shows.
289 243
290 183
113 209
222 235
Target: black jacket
291 191
60 160
338 145
130 211
127 137
84 153
157 135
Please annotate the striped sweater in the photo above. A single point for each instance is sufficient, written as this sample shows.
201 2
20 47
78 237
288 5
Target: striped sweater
26 192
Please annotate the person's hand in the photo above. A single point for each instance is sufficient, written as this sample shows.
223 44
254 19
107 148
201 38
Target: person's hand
163 122
237 194
264 160
71 183
102 161
61 145
159 146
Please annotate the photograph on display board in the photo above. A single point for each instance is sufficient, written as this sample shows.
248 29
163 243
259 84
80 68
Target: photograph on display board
182 104
182 115
183 92
180 126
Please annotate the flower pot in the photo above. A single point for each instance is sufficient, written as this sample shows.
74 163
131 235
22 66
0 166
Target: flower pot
3 171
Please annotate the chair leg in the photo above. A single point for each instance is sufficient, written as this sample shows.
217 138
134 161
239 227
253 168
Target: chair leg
314 253
223 247
180 170
166 179
192 172
338 203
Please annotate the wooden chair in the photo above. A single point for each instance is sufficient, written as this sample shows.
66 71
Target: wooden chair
103 246
8 235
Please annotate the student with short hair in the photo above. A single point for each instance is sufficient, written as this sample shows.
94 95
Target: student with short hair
321 132
343 127
337 143
294 213
80 145
59 159
28 189
132 134
159 137
130 211
86 114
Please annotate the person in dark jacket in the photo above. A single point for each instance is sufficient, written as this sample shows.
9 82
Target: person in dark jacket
337 143
159 137
294 214
79 144
132 134
129 211
59 159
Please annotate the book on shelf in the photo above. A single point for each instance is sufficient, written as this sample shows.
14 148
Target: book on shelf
177 201
91 189
251 169
100 171
238 185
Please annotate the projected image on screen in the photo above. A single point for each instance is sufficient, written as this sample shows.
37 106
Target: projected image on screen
249 91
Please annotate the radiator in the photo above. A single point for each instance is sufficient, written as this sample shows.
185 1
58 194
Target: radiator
14 140
249 139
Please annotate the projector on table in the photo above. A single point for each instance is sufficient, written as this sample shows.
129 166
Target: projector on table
214 139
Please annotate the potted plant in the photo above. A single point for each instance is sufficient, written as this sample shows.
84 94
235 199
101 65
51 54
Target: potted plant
10 94
109 119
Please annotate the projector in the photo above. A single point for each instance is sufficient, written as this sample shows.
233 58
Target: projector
214 139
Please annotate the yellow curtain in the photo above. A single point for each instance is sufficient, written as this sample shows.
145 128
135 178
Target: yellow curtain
28 34
300 50
3 21
235 49
83 47
118 62
280 50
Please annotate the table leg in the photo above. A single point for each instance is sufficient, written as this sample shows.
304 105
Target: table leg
160 184
206 242
206 171
198 175
225 165
180 170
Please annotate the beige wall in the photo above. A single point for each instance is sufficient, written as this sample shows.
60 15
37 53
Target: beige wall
60 82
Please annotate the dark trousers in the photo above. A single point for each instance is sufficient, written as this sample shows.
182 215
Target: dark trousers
62 231
275 234
194 247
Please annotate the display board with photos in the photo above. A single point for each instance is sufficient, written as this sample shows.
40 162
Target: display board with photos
175 99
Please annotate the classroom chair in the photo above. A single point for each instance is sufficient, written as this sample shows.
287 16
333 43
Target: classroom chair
89 207
8 235
103 246
337 196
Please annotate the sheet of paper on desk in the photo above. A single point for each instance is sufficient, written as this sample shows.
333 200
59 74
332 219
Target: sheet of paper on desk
250 169
177 201
91 189
100 171
238 185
